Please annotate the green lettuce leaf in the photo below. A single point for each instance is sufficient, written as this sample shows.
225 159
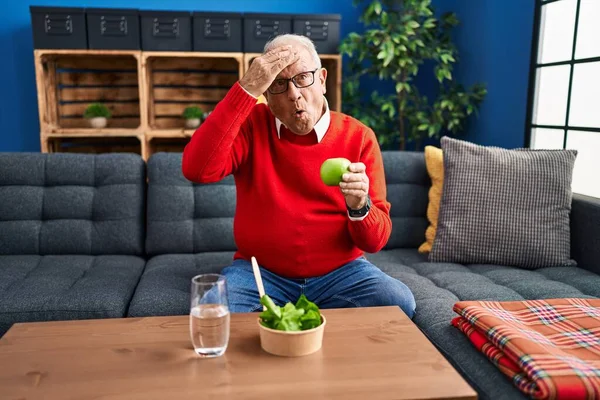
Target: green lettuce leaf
310 320
292 317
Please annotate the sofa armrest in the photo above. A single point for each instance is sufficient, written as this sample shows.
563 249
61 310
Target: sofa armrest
585 232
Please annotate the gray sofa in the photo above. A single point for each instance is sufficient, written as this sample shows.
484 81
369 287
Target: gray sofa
74 244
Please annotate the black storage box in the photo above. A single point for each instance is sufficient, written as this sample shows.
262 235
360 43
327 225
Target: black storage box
113 28
322 29
217 31
166 30
260 28
58 27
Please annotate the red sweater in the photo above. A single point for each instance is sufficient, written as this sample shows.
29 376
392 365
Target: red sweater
295 225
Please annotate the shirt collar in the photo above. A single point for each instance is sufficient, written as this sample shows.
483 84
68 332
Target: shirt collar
320 127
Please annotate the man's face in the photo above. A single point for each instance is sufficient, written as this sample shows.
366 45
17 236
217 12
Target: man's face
299 108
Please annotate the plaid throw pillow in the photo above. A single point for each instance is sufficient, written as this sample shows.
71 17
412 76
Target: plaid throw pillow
504 207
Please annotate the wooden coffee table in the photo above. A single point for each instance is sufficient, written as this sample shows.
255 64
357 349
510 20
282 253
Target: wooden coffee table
368 353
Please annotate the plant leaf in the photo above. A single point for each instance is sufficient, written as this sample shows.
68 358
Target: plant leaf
388 59
429 23
377 7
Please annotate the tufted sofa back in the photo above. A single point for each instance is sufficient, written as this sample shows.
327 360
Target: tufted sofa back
72 204
184 217
407 190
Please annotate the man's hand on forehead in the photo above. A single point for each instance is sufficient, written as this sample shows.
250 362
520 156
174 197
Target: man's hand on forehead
265 68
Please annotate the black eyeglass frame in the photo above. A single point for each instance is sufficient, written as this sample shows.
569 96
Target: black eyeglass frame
292 79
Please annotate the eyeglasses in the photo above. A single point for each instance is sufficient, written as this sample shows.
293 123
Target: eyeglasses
301 80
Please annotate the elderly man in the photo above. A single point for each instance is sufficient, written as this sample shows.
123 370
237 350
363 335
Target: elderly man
309 238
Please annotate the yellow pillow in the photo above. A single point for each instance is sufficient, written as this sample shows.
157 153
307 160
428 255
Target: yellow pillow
434 160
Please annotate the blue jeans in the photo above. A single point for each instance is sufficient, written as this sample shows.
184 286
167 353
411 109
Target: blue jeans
356 284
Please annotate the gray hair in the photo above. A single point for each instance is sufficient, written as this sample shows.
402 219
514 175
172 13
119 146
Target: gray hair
295 39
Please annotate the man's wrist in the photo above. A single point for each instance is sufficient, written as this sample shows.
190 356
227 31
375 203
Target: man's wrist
247 91
360 212
361 205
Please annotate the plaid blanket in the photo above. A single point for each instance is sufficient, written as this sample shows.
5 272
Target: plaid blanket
550 349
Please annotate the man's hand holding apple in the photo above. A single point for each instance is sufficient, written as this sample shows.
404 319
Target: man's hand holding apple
351 178
355 186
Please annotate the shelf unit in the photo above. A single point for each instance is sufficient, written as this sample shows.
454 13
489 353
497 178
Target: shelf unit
145 91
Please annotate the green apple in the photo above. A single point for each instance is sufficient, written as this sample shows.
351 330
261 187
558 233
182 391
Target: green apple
332 170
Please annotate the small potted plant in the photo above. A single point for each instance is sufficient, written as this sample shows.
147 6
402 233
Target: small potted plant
193 116
97 114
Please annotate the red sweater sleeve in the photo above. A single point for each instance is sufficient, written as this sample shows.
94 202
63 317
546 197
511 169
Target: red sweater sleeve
372 233
220 145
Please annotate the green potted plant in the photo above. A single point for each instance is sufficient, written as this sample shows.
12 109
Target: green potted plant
97 114
193 117
399 37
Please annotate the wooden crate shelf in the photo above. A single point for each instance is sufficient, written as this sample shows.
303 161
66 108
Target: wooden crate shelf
166 144
146 92
170 133
69 80
104 133
174 81
333 64
93 144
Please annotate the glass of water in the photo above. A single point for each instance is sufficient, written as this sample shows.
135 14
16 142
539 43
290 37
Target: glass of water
209 315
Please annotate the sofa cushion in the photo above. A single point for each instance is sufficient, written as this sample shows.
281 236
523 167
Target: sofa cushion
63 287
186 217
407 185
434 160
397 257
64 203
437 286
164 288
503 206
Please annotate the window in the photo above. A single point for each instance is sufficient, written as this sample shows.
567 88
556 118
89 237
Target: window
564 91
